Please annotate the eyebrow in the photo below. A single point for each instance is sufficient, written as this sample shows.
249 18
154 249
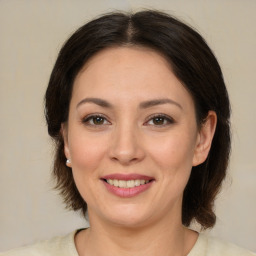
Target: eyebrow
97 101
143 105
152 103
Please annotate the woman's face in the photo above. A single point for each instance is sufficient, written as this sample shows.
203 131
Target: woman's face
131 122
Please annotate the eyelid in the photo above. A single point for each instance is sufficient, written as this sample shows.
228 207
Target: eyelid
169 119
86 119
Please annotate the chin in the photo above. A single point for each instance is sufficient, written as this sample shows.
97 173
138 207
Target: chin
127 216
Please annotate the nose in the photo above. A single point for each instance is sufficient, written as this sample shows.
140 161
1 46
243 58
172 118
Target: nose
126 145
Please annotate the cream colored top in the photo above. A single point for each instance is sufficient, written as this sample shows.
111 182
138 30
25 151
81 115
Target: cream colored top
65 246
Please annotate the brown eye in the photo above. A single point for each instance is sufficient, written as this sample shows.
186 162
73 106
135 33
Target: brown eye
95 120
158 120
98 120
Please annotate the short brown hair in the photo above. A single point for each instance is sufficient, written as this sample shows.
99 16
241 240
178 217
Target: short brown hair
192 62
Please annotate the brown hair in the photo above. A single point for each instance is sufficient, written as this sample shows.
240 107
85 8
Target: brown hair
194 65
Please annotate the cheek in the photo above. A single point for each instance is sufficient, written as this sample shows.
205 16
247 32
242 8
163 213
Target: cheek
173 152
86 152
173 157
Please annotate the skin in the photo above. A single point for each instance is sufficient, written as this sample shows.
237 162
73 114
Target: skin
128 139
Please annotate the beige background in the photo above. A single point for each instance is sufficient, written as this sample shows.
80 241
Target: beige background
31 34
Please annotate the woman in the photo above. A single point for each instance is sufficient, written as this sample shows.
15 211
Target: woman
139 112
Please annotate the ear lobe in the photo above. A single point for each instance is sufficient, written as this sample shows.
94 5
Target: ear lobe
64 134
205 137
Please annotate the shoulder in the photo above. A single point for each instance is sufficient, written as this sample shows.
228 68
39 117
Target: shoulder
210 246
219 247
62 245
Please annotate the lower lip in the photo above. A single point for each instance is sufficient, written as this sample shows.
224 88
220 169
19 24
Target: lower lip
127 192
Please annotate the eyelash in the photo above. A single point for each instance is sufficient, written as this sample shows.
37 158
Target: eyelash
166 118
88 118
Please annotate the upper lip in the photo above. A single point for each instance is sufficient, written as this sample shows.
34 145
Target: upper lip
122 176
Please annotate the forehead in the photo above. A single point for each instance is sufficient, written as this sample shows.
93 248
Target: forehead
123 58
127 53
135 72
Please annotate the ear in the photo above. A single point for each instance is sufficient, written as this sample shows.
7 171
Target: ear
204 138
64 133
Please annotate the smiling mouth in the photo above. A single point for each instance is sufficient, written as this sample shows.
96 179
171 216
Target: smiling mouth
126 183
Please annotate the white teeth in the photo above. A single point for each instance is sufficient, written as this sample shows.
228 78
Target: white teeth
130 184
111 182
137 183
127 183
121 184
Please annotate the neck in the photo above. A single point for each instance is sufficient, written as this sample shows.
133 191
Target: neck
160 239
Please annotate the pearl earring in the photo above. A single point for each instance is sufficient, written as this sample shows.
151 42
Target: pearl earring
68 162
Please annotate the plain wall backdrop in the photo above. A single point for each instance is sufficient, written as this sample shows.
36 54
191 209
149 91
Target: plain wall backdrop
31 34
